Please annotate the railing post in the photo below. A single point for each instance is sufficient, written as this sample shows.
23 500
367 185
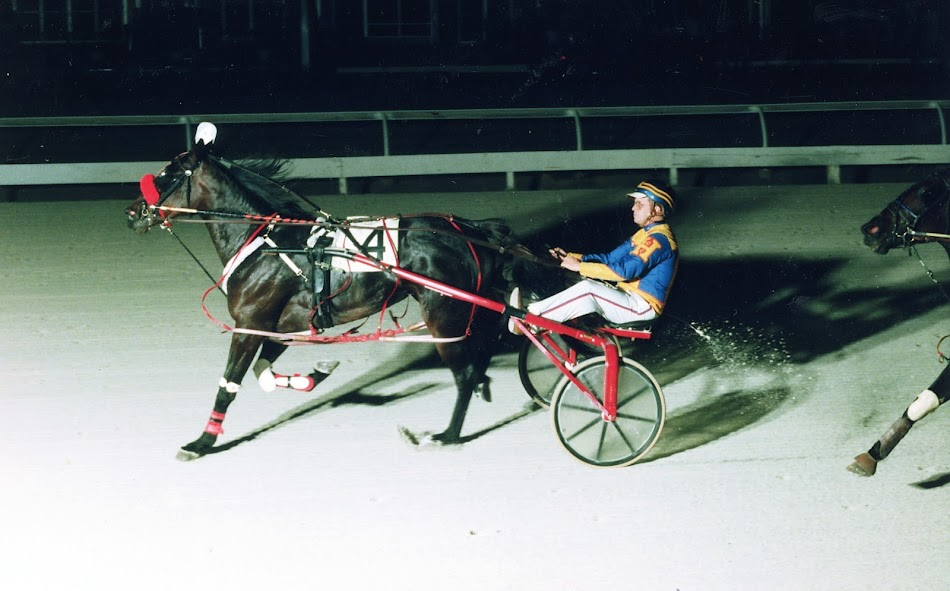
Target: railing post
188 134
344 190
674 176
510 180
578 135
385 121
765 133
833 174
942 121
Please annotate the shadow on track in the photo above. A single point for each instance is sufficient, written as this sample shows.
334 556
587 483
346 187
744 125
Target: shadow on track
705 422
934 481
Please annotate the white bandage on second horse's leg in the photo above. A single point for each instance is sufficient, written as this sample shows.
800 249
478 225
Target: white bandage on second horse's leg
925 404
229 387
265 377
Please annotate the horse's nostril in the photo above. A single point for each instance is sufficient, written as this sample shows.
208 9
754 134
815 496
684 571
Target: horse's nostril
873 230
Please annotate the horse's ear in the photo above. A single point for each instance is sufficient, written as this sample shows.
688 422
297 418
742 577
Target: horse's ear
205 134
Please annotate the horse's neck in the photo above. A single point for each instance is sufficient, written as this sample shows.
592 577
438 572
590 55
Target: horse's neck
230 235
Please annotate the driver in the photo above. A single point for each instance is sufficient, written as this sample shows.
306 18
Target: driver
628 284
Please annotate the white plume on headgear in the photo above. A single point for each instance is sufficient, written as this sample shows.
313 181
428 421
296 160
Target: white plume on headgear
206 133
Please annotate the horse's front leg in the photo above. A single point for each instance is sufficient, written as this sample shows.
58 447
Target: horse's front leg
243 349
926 402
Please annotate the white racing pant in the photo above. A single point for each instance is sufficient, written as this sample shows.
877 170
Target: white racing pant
615 305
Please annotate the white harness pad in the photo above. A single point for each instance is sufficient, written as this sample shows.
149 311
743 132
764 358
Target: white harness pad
379 238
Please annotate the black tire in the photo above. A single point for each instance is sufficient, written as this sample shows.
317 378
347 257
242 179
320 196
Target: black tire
581 429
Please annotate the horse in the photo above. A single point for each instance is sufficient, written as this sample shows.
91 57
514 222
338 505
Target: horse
267 296
919 214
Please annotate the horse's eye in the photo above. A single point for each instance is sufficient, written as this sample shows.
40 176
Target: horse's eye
162 173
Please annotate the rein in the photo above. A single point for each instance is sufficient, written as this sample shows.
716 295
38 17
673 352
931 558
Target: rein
245 218
929 273
201 266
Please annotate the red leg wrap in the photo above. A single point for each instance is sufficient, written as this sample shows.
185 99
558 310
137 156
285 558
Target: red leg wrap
214 426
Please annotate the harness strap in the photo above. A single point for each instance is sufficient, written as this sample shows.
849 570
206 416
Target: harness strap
283 256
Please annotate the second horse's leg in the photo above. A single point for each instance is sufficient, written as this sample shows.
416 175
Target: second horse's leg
866 464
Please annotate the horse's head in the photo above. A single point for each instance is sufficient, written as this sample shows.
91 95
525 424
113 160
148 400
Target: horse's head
171 187
919 210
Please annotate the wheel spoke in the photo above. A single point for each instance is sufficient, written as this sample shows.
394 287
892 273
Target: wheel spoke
624 437
586 408
627 400
584 428
637 418
600 444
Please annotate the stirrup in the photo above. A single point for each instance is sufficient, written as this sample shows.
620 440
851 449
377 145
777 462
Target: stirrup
644 325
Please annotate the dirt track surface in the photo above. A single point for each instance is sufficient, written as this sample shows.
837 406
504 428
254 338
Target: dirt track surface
813 347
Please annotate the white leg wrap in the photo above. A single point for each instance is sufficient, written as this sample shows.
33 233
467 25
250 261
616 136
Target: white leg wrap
265 377
925 404
299 382
230 387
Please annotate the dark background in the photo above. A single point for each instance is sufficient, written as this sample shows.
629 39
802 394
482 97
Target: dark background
194 56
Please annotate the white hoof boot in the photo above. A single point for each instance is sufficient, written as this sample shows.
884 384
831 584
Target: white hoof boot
265 377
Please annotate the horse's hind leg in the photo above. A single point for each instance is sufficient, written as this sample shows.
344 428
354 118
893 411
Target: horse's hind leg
269 381
466 379
243 349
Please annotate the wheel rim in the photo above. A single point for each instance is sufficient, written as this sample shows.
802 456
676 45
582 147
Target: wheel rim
641 412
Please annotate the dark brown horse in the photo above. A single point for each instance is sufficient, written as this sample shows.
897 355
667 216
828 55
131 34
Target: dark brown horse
266 295
919 214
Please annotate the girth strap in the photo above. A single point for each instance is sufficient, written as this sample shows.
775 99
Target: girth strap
320 283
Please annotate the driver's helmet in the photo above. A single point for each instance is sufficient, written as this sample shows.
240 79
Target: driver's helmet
658 193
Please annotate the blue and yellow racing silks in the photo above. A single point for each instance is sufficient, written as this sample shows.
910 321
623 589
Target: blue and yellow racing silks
645 265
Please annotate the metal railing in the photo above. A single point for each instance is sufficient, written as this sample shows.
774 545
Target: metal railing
452 142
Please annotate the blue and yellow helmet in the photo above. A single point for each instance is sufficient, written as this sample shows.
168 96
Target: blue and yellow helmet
662 196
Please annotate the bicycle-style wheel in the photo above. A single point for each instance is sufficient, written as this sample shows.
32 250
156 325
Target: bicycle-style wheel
581 429
538 375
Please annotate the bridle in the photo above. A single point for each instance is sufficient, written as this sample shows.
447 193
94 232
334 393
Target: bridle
909 218
153 199
911 235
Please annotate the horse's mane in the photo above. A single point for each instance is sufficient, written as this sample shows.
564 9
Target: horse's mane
261 178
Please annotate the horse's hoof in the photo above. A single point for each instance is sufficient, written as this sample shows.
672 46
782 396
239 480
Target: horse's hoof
424 440
483 390
863 465
412 438
185 455
197 448
325 367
